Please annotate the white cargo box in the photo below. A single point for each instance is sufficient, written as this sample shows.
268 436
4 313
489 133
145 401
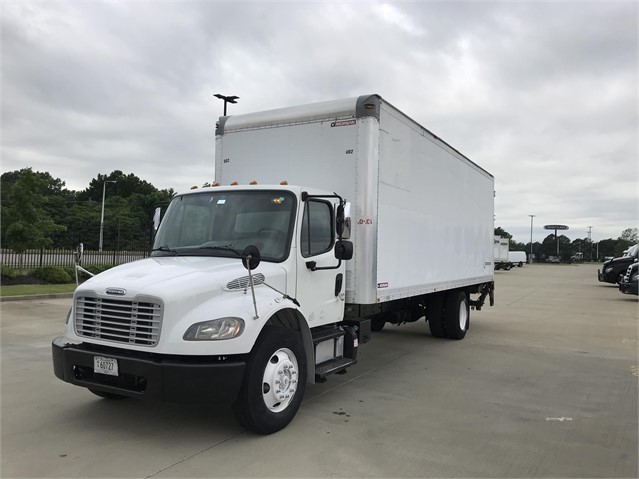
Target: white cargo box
422 213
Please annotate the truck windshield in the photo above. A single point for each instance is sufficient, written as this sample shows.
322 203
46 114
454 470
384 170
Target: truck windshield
224 223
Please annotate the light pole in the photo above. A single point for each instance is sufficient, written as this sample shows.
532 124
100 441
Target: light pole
227 99
531 228
589 243
102 215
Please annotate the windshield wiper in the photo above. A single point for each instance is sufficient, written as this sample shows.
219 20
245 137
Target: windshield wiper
165 249
223 248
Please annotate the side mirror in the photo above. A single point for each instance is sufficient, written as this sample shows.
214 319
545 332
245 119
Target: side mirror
343 221
156 218
344 250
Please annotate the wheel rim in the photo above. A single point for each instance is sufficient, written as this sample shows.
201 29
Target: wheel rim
463 315
279 382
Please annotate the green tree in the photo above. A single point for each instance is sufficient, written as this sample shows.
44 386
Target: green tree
631 235
25 222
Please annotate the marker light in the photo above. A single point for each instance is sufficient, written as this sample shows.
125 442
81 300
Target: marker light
215 184
253 182
194 187
283 182
235 183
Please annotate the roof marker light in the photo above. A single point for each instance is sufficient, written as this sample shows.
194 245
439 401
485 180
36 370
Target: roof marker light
235 183
194 187
253 182
215 184
283 182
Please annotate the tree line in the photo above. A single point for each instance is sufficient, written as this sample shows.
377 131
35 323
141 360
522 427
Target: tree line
591 251
38 211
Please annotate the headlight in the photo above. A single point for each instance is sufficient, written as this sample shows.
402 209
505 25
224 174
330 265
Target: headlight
216 329
608 270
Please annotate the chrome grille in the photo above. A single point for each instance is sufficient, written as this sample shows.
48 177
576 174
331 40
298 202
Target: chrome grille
243 282
628 274
118 320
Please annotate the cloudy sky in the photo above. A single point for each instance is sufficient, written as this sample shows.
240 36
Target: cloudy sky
541 94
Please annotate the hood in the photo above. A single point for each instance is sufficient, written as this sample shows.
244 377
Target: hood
177 277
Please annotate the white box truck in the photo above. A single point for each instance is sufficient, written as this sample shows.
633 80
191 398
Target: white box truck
500 252
517 258
256 287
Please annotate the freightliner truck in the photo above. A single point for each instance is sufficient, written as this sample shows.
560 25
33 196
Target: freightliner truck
324 221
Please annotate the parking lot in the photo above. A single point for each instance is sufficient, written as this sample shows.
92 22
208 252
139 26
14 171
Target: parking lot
545 384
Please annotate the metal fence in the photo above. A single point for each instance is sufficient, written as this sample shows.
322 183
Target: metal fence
121 244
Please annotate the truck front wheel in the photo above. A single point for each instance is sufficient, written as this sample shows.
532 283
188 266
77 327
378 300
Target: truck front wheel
274 382
456 314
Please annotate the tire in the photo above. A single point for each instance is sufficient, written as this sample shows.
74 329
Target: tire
520 264
277 357
377 324
434 314
104 395
456 315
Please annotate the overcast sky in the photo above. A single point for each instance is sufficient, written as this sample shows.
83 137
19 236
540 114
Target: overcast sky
541 94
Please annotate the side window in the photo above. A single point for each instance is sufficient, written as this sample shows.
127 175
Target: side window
317 228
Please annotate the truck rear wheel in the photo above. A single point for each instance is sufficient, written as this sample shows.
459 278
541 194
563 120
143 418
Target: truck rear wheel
274 382
456 314
377 324
434 314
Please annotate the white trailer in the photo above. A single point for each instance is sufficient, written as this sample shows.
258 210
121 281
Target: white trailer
257 286
500 253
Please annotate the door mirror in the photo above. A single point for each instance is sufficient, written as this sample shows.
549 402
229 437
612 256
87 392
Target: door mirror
343 221
156 218
343 250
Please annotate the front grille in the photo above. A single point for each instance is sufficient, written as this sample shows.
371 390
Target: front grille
626 278
118 320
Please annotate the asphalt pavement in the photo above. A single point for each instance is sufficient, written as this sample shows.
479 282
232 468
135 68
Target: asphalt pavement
545 384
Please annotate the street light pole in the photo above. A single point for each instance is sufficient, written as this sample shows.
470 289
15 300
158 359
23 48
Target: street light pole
227 99
531 228
102 215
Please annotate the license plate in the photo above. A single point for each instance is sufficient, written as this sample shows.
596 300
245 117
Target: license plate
107 366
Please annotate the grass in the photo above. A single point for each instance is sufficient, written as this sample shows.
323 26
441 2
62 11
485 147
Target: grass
31 289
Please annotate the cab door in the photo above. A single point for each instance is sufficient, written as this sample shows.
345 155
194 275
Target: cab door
320 292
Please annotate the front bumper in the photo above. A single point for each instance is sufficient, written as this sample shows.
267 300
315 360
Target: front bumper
629 288
149 376
603 277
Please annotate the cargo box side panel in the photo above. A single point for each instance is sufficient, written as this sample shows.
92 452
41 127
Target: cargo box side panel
323 154
435 224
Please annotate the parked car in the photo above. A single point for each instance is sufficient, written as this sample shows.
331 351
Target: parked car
613 271
628 284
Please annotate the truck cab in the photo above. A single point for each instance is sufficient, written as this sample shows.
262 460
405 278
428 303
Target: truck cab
613 271
236 279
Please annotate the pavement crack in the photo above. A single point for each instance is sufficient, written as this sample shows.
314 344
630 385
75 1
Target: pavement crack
194 455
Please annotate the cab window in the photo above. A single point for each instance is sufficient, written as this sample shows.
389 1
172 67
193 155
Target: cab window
317 228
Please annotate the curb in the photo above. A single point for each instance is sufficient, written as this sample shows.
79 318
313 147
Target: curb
36 296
